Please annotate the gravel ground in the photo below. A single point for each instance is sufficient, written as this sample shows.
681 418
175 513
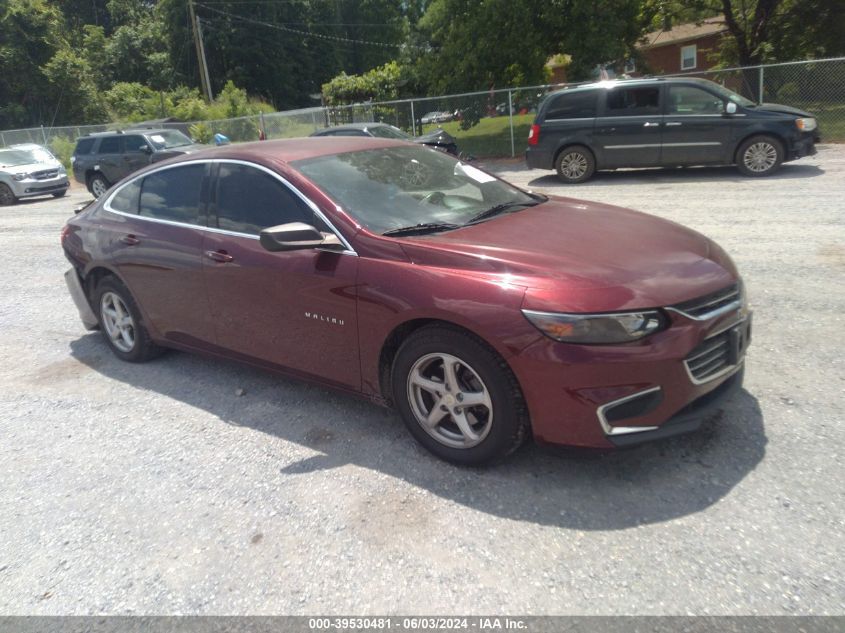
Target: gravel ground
156 489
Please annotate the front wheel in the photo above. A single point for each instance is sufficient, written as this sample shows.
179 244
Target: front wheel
6 196
575 164
759 156
457 397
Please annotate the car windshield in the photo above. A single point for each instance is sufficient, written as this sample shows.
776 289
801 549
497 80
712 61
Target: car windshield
166 139
406 186
17 157
388 131
732 96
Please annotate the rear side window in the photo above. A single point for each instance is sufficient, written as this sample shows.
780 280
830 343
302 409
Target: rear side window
250 200
575 105
84 145
633 101
110 145
173 194
126 199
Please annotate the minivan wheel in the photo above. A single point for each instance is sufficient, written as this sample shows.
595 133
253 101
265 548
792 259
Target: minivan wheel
6 195
457 397
98 185
575 164
120 323
759 156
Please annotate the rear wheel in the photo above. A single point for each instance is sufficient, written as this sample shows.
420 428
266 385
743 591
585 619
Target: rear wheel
6 195
98 185
120 323
759 156
575 164
457 397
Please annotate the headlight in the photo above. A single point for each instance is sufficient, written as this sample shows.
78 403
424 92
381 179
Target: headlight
807 124
596 328
20 177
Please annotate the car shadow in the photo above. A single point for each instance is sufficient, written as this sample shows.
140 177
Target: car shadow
576 489
675 175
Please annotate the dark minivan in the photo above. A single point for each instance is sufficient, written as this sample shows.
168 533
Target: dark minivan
664 123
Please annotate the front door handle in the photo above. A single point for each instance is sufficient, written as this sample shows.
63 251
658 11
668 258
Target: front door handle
221 257
673 124
650 124
130 240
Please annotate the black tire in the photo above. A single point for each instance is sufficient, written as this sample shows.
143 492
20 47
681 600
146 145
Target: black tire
575 164
7 198
60 194
98 181
501 427
760 155
142 348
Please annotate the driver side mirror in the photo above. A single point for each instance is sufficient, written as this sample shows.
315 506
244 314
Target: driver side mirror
295 236
146 149
730 107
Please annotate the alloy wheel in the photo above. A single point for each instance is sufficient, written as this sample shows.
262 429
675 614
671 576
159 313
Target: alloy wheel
573 165
760 157
450 400
98 187
118 322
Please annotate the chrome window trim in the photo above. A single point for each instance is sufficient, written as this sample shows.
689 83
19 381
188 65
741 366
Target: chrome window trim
623 430
204 161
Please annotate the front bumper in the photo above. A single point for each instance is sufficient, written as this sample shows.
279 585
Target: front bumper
610 396
34 187
805 145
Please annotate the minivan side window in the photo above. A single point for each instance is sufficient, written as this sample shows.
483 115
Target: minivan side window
250 200
693 100
632 101
576 105
110 145
84 145
173 194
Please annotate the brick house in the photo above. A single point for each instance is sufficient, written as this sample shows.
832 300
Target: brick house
682 48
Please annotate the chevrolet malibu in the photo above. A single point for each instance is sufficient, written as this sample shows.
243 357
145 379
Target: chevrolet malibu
483 313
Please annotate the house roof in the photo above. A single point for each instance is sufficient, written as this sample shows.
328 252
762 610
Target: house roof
683 33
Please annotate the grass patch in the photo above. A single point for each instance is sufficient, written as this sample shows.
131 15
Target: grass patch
491 138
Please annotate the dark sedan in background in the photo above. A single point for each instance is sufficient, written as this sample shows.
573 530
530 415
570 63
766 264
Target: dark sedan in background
484 313
437 138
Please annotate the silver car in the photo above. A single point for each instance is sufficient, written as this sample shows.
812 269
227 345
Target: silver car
30 170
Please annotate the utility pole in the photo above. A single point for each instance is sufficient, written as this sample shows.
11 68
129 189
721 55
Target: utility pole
196 28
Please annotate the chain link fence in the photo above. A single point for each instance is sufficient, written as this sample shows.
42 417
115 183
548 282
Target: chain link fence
488 124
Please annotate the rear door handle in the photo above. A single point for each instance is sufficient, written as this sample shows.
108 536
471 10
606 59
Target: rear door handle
650 124
221 257
130 240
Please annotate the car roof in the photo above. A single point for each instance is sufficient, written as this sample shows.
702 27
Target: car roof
288 150
613 83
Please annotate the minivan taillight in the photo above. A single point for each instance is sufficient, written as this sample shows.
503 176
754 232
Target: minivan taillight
534 135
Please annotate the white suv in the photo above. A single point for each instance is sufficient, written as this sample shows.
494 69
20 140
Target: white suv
30 170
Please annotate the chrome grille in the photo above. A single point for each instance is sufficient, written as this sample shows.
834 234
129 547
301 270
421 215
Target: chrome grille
719 354
711 305
45 174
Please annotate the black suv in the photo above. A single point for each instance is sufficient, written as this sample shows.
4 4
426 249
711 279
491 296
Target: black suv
663 122
100 160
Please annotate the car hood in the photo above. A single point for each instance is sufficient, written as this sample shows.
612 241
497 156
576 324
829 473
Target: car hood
583 256
30 167
781 109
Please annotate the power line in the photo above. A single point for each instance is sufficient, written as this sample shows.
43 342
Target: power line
286 29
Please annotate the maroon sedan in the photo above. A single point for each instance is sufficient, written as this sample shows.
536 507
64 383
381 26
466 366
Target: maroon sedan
482 312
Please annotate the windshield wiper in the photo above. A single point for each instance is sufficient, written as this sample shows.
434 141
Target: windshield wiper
502 208
424 227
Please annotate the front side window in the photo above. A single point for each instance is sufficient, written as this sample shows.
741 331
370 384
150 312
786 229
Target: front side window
250 200
688 57
576 105
173 194
403 186
133 143
692 100
633 101
111 145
